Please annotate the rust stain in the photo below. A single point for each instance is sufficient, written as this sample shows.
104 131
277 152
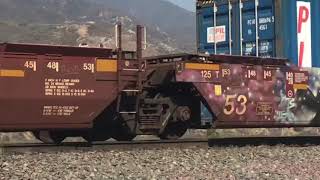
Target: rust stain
202 66
107 65
11 73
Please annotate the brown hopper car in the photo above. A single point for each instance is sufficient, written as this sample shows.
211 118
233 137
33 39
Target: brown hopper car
98 93
61 91
51 87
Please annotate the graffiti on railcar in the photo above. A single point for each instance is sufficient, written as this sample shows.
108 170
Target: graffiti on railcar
254 94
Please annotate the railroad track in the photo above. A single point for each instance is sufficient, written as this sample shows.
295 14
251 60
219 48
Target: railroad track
108 145
271 141
152 144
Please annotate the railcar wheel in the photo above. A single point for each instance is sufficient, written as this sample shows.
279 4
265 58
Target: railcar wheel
174 131
49 137
122 133
124 137
96 137
36 134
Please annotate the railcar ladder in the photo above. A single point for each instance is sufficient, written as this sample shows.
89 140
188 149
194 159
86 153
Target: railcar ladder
129 78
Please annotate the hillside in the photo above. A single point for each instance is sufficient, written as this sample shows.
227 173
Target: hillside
70 22
187 4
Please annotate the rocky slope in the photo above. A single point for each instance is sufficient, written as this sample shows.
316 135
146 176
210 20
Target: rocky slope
69 22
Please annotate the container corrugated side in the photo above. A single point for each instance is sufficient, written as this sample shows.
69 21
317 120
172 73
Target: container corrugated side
276 21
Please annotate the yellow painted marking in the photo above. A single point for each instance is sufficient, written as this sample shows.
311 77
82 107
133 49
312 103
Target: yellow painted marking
218 90
107 65
300 86
11 73
202 66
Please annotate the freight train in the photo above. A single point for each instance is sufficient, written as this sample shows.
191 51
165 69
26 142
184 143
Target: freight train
97 93
264 28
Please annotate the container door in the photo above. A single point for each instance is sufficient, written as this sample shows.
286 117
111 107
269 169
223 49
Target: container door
205 22
223 28
257 16
237 28
214 28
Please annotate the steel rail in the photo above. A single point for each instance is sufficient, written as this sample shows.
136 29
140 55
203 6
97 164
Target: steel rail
152 144
107 145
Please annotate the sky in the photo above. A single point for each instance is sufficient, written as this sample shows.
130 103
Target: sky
187 4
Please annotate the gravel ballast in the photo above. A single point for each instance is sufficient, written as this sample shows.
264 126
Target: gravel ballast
194 162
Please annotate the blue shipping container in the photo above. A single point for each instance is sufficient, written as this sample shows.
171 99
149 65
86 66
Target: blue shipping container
286 28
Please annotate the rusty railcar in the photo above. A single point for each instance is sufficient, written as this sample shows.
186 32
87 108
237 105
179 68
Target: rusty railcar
59 87
97 93
51 87
255 92
239 92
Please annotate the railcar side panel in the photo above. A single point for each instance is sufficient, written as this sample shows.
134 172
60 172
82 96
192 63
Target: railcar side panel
54 91
241 95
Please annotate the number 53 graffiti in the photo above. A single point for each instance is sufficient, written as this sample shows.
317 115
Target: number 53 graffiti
229 107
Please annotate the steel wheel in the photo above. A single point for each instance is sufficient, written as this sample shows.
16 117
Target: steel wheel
124 137
122 133
174 131
96 137
49 137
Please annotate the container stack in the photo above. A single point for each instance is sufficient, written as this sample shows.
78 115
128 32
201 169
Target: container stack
279 28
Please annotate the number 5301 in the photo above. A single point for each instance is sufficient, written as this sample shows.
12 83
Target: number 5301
229 107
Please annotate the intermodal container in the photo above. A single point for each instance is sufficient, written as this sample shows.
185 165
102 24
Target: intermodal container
279 28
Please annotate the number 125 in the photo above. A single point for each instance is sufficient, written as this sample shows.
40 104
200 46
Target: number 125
206 74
